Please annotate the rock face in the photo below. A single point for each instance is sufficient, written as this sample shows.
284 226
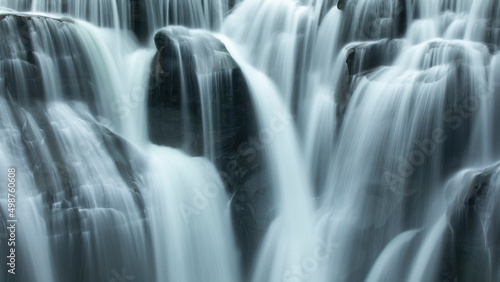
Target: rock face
199 101
24 54
366 56
361 59
184 85
368 60
373 20
341 4
473 242
174 104
42 140
19 64
146 17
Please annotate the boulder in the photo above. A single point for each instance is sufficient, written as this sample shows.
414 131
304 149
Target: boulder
194 79
341 4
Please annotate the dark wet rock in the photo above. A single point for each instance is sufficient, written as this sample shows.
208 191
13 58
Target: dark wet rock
464 92
65 208
341 4
22 60
129 163
325 8
175 119
361 59
448 68
472 247
175 102
139 19
251 216
231 4
18 61
375 20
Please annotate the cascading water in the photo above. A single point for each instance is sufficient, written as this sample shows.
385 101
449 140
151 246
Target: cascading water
142 16
102 13
117 205
255 140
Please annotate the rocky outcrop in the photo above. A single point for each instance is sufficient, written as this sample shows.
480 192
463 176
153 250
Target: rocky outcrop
472 252
361 59
139 19
194 80
18 63
341 4
185 84
40 137
371 20
367 56
24 56
325 8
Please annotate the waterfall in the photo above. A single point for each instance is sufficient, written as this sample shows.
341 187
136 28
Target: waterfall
249 140
142 16
82 92
291 232
102 13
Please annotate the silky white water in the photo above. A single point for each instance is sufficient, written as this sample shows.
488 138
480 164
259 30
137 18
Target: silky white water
377 127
